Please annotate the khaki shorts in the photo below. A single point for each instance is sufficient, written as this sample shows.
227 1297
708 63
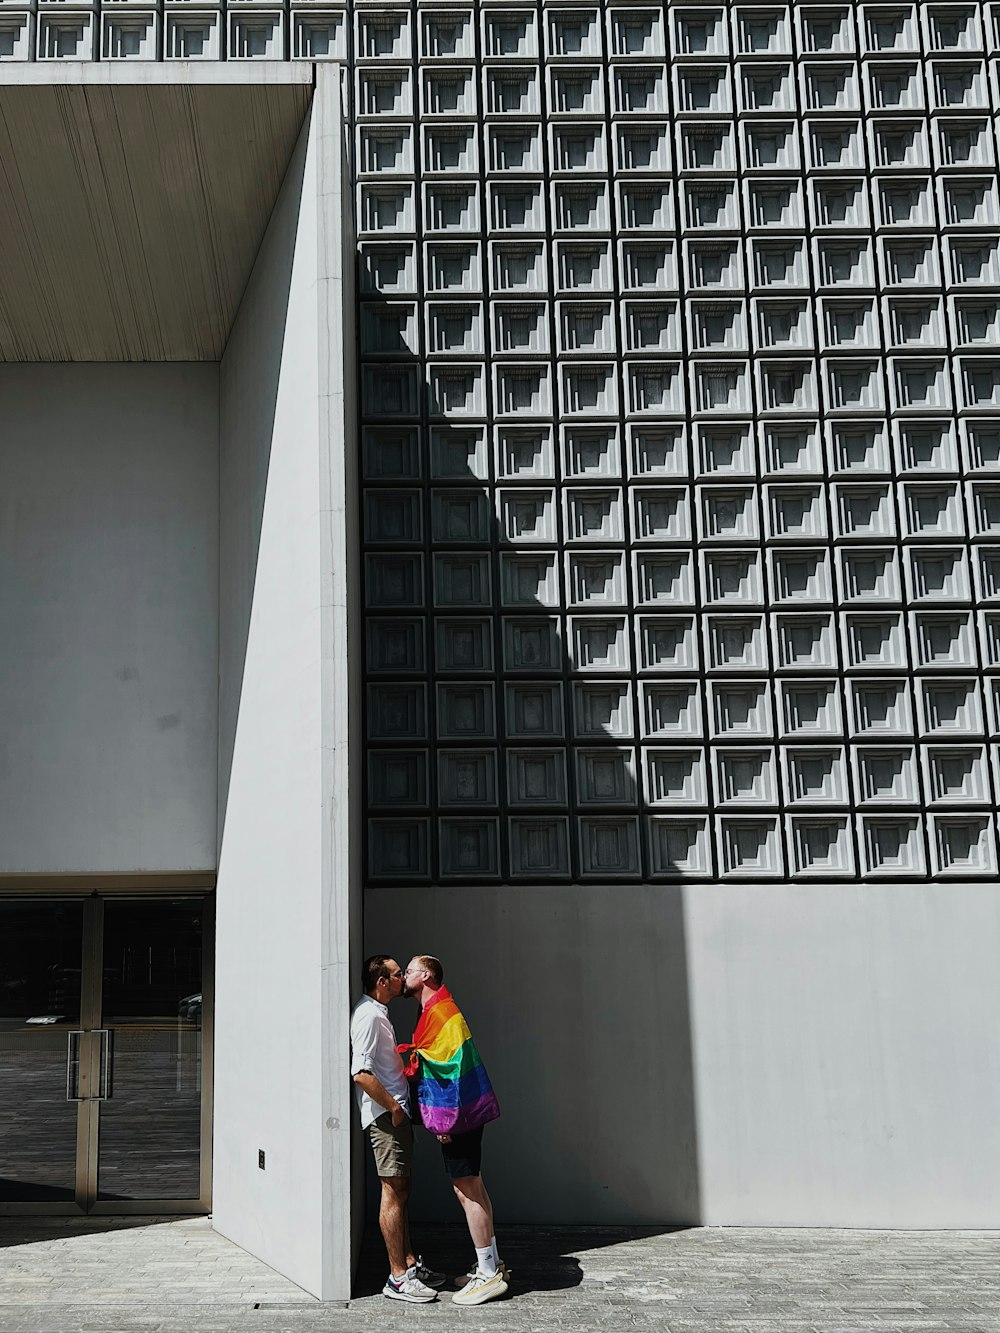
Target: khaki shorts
392 1145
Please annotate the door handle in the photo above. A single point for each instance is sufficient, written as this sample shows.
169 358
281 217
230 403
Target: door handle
78 1067
104 1082
73 1043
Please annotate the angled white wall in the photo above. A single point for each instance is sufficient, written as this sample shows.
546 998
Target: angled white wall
281 1085
108 603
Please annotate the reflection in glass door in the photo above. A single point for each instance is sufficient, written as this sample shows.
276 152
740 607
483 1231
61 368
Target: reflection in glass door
105 1070
41 953
149 1139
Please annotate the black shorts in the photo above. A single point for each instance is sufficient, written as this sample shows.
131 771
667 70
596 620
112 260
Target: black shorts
463 1156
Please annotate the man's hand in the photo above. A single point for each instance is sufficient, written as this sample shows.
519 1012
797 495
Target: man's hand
367 1081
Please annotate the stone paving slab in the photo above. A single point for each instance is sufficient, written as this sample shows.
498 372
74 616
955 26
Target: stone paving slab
86 1275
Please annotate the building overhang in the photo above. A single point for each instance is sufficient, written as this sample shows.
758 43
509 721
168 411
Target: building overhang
133 201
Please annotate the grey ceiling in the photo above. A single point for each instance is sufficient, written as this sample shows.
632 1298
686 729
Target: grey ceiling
131 214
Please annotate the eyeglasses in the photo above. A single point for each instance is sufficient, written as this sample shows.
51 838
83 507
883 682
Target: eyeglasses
393 975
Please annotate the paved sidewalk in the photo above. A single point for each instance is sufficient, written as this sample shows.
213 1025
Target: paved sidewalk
178 1276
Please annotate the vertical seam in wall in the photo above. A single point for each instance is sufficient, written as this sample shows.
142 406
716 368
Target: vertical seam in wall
336 810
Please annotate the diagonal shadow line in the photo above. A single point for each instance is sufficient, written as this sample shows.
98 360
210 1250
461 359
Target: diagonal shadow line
404 687
33 1230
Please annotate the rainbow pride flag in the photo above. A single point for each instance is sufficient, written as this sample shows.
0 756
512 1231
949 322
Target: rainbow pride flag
453 1088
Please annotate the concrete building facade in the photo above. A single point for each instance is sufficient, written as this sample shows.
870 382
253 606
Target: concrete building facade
518 482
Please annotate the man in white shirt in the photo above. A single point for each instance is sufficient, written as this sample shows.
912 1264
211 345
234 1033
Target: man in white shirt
383 1099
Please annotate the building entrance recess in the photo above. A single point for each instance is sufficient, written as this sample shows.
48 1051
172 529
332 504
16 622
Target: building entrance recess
105 1055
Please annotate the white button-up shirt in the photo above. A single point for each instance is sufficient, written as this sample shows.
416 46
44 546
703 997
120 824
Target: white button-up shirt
373 1051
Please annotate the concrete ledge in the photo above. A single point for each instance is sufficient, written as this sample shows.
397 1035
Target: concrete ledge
137 73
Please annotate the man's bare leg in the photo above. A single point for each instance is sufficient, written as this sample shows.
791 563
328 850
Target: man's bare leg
490 1278
470 1191
393 1221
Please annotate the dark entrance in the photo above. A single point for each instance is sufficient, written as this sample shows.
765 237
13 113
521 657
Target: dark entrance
105 1088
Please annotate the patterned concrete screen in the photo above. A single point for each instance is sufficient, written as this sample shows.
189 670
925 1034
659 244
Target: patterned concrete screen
681 440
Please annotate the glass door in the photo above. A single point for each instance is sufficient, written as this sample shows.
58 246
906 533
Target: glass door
150 1132
105 1059
41 971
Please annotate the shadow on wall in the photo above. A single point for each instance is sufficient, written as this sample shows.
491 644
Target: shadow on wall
571 971
577 999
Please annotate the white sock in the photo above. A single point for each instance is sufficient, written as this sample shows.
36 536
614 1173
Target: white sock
493 1247
485 1261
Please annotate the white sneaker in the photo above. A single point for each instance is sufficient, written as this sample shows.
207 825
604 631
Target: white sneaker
407 1288
480 1289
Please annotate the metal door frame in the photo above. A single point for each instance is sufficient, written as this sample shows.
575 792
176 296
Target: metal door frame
86 1202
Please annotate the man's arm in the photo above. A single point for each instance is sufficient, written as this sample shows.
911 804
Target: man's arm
367 1082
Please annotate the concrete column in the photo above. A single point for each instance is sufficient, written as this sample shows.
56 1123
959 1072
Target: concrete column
282 1082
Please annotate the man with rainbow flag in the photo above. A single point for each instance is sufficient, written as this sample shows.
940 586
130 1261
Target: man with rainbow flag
383 1100
455 1101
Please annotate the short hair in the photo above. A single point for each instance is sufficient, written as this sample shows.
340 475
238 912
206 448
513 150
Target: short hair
432 965
373 969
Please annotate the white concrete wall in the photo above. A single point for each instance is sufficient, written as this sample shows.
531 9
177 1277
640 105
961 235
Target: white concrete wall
343 638
108 617
729 1055
282 933
846 1057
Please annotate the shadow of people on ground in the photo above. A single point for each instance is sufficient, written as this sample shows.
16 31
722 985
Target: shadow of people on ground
540 1258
